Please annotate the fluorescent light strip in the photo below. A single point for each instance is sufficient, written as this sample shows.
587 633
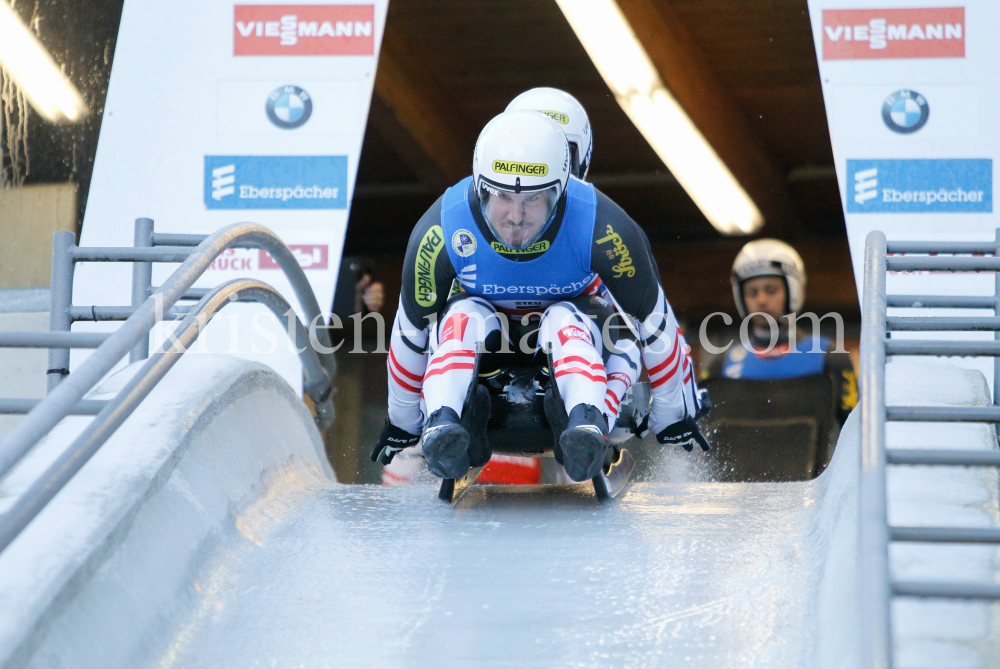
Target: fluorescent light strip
620 58
31 67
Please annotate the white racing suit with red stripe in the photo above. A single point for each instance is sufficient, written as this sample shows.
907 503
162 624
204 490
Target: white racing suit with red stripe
591 248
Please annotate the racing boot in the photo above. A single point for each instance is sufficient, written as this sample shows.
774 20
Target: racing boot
584 442
446 444
555 413
475 415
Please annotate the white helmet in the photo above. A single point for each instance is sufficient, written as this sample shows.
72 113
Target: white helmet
565 110
770 257
521 152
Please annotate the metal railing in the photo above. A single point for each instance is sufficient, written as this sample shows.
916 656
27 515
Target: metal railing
149 306
876 588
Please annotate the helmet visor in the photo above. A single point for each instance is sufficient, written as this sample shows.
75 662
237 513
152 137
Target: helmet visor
518 219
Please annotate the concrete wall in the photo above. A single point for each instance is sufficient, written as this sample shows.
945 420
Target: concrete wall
94 578
28 217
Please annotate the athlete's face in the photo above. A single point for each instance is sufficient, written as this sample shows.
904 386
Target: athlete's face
765 294
518 218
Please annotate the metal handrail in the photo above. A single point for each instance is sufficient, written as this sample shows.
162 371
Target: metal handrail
875 588
935 456
943 264
942 301
66 396
943 323
17 405
52 339
873 531
117 410
990 414
898 246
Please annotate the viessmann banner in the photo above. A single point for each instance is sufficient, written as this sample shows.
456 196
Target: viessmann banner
220 112
911 92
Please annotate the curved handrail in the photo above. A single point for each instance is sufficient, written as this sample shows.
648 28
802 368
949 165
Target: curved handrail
40 420
30 503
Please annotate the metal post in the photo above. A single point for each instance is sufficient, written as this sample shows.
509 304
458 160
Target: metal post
873 532
61 294
996 335
142 280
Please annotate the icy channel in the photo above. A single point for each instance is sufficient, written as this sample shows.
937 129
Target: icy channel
703 575
233 548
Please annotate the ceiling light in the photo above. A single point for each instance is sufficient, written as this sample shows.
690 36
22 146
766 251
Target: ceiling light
35 73
627 70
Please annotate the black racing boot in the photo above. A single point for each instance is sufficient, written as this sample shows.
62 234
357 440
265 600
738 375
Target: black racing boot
555 413
475 416
446 444
584 442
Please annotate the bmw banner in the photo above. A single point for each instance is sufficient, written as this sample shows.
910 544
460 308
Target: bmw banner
911 93
224 112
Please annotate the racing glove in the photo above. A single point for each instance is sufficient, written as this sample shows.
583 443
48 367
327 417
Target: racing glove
392 441
704 403
683 433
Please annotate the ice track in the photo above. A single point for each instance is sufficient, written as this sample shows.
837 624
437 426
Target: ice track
205 563
390 578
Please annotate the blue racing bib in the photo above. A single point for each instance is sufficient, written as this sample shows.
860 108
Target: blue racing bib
778 363
561 272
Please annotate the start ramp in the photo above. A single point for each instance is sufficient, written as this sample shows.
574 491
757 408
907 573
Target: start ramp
209 533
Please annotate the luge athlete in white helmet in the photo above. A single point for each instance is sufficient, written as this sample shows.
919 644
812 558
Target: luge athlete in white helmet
624 366
566 111
524 238
769 280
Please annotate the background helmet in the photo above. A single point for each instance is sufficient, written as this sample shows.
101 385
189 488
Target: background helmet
770 257
564 109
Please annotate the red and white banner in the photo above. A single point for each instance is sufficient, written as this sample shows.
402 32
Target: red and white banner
304 30
310 257
932 32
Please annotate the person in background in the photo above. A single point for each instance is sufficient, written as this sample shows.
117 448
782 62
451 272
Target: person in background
356 291
769 285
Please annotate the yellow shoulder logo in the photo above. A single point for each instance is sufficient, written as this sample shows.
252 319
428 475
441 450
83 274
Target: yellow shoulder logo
558 117
427 254
620 251
520 169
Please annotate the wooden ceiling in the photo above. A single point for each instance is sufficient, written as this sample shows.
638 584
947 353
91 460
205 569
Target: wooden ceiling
745 71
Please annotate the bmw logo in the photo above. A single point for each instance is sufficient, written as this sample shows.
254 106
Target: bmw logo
289 107
905 111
